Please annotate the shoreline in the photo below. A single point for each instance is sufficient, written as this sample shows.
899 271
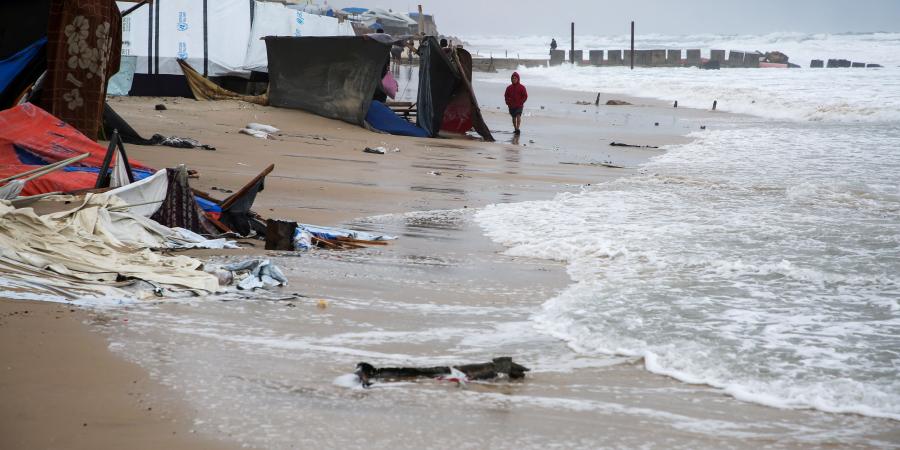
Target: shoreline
338 184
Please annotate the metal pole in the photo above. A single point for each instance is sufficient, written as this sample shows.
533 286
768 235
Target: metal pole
632 45
572 53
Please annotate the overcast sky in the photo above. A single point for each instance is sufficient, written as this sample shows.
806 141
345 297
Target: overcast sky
611 17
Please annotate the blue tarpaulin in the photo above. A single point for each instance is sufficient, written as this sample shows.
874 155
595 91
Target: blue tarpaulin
11 67
381 118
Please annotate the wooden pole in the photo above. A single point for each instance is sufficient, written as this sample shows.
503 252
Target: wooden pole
572 53
632 45
421 22
240 193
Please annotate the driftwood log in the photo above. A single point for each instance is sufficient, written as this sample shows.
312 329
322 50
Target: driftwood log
499 367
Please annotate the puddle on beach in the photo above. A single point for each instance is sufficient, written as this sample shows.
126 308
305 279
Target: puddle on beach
263 371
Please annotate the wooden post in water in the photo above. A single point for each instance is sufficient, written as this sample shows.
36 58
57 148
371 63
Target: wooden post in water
632 45
572 54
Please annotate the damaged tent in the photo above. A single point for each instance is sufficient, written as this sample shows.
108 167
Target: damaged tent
337 77
220 39
30 137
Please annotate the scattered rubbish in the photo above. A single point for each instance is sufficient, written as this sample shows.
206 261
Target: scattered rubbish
702 127
227 191
619 144
250 274
178 142
617 103
160 107
292 236
531 141
302 240
498 368
655 124
582 103
375 150
434 172
254 133
396 150
322 304
263 127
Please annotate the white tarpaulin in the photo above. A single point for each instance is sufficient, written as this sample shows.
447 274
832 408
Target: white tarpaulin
274 19
211 35
89 242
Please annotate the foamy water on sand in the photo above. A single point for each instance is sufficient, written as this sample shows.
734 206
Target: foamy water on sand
762 258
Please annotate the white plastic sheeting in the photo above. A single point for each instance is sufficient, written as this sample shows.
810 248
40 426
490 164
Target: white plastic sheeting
169 30
274 19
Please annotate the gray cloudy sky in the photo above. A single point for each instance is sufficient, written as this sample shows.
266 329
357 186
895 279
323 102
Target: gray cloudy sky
609 17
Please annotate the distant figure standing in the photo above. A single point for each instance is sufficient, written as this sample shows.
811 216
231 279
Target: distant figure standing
553 44
516 96
397 54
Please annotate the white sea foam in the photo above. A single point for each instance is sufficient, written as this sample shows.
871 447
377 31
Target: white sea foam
763 261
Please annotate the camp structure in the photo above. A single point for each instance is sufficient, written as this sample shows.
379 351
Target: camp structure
220 39
337 77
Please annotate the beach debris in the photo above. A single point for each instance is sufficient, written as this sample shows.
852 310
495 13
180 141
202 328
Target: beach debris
620 144
601 164
254 133
375 150
655 124
582 103
250 274
435 173
498 368
280 234
160 107
178 142
293 236
223 190
322 304
617 103
702 127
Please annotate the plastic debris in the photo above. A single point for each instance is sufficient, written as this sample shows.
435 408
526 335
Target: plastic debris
302 239
250 274
262 127
375 150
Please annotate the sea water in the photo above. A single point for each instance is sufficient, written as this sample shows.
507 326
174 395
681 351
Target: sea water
762 258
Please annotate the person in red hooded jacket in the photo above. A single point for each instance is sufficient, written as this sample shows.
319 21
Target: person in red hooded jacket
516 96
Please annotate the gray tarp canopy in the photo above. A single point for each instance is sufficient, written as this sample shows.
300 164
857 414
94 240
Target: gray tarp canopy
333 77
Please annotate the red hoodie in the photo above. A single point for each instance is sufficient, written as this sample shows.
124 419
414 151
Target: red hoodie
516 94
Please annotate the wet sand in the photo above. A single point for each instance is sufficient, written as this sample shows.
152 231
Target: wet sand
260 373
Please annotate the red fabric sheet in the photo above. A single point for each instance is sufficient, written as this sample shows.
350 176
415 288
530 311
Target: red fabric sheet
34 130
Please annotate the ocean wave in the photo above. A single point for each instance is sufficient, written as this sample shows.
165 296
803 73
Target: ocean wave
736 261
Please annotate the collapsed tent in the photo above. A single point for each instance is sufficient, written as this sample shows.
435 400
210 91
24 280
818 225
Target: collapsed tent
337 77
445 90
30 137
88 243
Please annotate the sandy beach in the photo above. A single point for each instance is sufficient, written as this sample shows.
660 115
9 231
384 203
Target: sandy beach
188 374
